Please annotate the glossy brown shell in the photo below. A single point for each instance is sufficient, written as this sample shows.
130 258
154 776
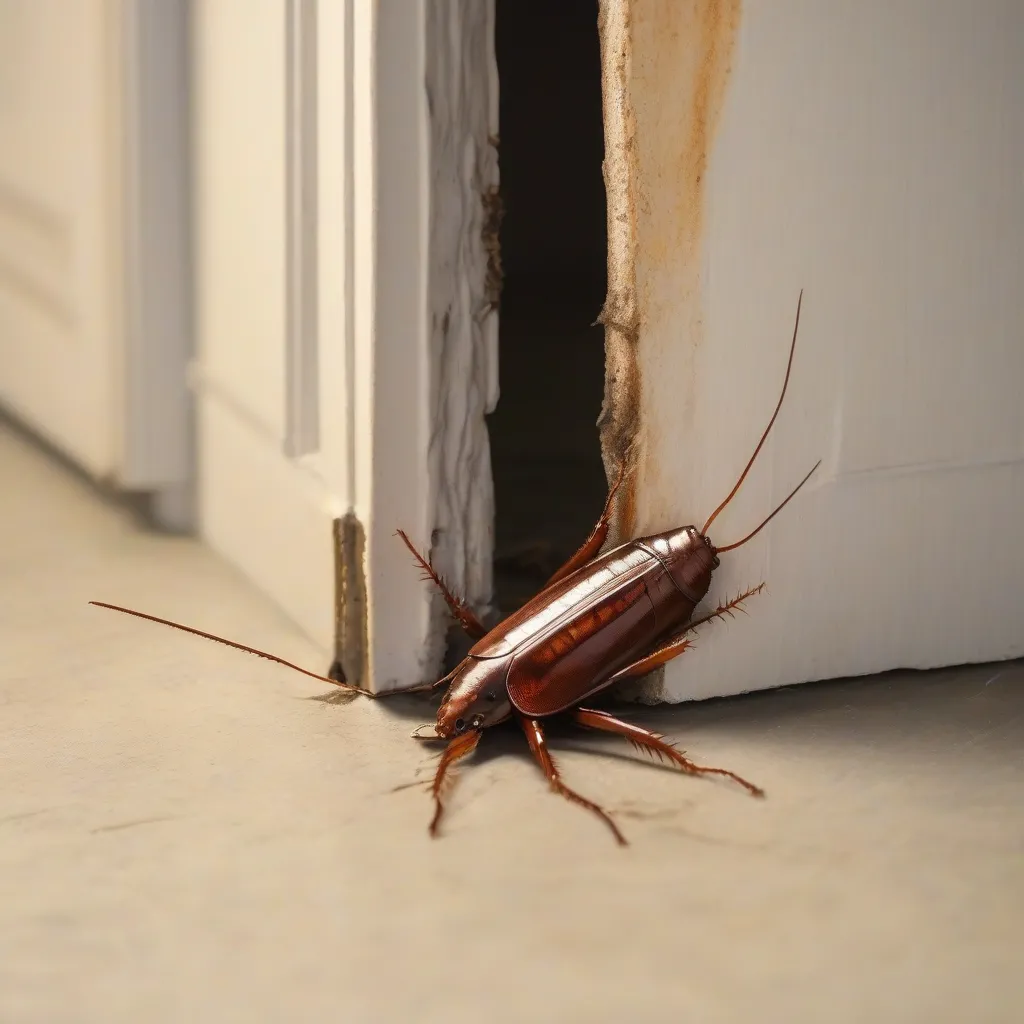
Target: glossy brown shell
568 641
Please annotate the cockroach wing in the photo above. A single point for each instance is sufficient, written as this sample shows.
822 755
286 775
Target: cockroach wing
574 657
562 600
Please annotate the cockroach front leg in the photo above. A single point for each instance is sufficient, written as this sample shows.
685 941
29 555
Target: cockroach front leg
593 543
539 747
459 609
458 748
654 744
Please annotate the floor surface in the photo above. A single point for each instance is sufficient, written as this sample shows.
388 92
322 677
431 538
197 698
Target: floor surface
185 837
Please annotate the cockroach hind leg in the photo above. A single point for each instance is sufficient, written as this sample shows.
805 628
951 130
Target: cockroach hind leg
655 745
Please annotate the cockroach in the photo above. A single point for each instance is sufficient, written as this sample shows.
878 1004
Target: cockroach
601 619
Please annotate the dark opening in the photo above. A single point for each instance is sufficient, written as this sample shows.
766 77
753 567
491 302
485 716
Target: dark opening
548 475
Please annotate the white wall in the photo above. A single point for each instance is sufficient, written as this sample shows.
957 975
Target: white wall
870 154
61 273
95 308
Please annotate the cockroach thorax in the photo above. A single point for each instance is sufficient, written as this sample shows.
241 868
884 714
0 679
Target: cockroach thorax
689 557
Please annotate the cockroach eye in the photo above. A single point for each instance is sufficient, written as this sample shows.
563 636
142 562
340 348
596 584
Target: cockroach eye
492 697
460 724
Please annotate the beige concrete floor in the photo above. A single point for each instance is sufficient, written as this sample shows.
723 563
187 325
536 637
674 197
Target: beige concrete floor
185 837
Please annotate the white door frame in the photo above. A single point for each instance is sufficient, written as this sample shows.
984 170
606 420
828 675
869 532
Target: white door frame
424 343
388 112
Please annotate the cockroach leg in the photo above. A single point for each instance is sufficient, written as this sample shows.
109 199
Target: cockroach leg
654 744
539 747
666 652
675 645
593 543
459 609
736 604
456 749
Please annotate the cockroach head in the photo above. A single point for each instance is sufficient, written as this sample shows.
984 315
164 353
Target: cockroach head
476 699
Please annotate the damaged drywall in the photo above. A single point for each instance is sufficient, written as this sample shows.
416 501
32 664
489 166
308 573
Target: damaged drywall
866 155
618 423
463 292
665 66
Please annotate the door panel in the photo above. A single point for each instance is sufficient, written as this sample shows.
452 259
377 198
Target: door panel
60 258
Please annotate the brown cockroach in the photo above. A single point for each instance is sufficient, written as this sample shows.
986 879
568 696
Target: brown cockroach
600 620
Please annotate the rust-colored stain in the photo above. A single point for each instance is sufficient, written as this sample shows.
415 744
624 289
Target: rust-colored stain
665 68
619 418
682 55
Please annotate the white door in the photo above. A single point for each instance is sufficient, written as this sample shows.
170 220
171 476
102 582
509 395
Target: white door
870 154
273 470
326 419
95 326
60 227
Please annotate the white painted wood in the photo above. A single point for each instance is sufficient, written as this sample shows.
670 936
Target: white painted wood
269 514
432 355
302 413
94 250
870 154
158 436
462 82
61 277
392 364
324 387
239 60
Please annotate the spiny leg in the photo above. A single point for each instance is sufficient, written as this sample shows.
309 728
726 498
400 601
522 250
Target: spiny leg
676 644
666 652
538 745
458 748
654 744
466 619
593 543
729 607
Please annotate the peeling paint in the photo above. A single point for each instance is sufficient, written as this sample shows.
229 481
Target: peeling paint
463 289
619 419
494 213
665 67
